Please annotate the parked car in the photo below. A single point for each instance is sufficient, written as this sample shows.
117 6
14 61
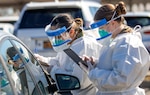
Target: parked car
142 19
36 15
9 19
22 74
7 27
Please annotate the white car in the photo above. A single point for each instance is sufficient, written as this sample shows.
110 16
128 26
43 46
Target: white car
9 19
7 27
142 19
36 15
28 78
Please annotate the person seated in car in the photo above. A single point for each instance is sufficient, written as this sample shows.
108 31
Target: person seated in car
14 58
15 67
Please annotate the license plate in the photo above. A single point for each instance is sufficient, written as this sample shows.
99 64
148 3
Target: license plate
47 44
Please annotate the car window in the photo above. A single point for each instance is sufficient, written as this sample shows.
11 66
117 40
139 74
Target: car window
34 69
133 21
41 17
11 69
21 70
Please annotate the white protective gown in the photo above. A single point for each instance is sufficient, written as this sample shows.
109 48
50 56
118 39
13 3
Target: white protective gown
84 45
122 66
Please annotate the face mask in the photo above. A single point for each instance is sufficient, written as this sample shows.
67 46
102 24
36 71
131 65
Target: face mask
103 32
58 41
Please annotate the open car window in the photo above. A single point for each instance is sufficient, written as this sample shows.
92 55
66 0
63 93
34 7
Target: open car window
23 70
34 69
11 68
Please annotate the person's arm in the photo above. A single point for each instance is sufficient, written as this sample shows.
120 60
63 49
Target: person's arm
47 61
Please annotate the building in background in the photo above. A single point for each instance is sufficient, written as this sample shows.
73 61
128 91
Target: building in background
13 7
132 5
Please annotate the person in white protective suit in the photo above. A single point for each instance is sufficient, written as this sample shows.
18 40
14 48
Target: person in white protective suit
124 62
65 32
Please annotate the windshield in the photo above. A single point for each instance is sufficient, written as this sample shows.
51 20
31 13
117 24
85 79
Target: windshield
142 21
39 18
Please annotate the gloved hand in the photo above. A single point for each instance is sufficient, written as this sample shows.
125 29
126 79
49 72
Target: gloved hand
92 60
90 66
87 68
89 61
41 58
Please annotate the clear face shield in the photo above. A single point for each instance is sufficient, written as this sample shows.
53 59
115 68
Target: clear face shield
59 38
103 23
99 26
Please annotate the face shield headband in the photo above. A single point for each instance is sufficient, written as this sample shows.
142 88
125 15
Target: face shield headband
16 57
102 22
98 24
54 34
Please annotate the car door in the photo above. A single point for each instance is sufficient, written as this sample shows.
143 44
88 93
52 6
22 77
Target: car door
29 79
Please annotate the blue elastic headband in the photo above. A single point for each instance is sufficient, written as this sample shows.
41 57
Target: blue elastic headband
56 32
98 23
16 57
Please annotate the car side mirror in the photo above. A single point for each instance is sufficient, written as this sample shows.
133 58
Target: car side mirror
67 82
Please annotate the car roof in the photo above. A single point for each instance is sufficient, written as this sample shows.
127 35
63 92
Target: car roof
138 14
61 4
3 34
9 18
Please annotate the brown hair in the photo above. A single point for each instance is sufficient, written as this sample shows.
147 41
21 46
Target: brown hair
78 27
108 10
67 21
62 20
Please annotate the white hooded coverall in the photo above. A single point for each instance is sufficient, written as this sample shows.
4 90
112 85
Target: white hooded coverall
64 64
122 66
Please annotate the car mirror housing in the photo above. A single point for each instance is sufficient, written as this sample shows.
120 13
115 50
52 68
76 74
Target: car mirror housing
67 82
